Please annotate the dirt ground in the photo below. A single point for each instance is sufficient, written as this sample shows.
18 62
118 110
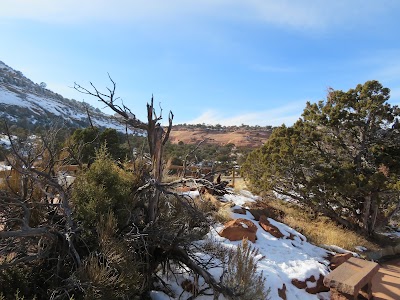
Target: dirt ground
386 283
241 138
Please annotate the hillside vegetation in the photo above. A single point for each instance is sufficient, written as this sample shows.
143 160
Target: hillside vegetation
342 159
241 136
124 229
28 105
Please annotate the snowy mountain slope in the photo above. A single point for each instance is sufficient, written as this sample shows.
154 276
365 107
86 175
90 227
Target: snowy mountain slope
31 104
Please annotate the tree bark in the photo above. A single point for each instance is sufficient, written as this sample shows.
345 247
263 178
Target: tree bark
367 213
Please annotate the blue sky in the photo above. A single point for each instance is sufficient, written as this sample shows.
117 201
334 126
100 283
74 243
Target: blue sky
225 62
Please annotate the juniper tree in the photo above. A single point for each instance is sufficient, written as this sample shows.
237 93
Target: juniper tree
342 158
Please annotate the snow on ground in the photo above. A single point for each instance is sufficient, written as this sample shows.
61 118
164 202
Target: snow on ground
10 98
4 167
40 103
244 197
4 141
284 259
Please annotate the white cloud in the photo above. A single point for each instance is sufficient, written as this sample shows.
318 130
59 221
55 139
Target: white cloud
304 14
287 114
131 11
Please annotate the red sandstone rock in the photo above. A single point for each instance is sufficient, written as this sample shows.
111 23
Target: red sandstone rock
338 259
241 211
239 229
282 292
299 284
268 227
319 287
311 279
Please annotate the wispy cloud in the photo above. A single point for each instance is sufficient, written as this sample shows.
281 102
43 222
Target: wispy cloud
287 115
305 14
389 71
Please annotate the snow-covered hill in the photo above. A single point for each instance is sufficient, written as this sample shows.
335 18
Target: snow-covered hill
26 103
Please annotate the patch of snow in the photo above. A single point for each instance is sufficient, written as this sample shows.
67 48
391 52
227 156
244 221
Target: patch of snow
361 248
9 98
192 194
338 249
155 295
249 195
284 197
240 199
4 141
284 259
4 167
391 234
244 225
39 104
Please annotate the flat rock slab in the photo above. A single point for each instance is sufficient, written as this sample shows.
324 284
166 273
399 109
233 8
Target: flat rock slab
351 276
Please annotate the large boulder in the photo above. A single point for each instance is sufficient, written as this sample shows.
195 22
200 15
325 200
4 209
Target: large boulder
239 229
267 226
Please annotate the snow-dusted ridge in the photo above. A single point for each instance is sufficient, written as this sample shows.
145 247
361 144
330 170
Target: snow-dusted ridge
21 99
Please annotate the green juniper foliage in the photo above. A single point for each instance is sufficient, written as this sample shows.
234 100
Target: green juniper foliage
342 158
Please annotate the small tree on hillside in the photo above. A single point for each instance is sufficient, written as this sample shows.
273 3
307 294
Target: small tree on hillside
342 158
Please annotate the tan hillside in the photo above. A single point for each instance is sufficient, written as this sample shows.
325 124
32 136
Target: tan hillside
239 136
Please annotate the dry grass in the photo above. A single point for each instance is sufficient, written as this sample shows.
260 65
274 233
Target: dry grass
239 183
319 229
223 214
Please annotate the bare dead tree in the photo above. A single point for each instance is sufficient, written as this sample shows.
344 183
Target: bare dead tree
156 135
89 117
36 163
164 240
185 161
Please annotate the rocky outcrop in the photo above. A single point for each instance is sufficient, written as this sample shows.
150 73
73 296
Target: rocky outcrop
268 227
239 229
311 285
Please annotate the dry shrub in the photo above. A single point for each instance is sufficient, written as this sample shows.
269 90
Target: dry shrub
241 273
240 184
215 249
205 206
210 205
223 214
111 272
